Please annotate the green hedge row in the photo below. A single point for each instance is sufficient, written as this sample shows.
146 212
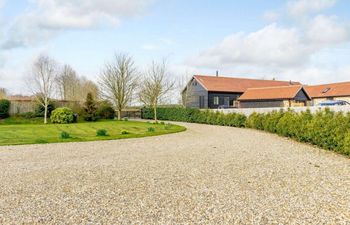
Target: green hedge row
196 116
326 129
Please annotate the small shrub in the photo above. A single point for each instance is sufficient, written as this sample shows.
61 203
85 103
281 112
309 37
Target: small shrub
255 120
62 116
75 118
126 119
4 108
64 135
90 109
105 110
101 133
151 129
124 132
40 110
162 123
28 115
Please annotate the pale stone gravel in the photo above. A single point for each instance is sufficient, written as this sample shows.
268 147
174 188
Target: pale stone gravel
206 175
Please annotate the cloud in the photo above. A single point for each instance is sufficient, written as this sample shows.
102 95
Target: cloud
271 16
302 7
2 60
325 30
290 51
272 45
50 17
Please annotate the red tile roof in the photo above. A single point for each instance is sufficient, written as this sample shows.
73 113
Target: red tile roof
271 93
329 90
239 85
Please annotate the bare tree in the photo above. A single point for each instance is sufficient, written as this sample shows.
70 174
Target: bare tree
88 86
72 87
42 81
3 93
118 82
67 83
155 86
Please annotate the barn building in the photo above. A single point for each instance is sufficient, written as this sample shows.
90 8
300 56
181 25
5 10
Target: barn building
284 96
222 92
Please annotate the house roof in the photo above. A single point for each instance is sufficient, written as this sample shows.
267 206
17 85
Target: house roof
272 93
239 85
329 90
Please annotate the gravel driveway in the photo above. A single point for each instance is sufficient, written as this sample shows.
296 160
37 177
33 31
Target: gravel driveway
206 175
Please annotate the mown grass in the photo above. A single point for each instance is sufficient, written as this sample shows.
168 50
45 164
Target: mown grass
21 120
18 134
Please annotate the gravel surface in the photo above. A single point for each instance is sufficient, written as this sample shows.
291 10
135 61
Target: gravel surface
206 175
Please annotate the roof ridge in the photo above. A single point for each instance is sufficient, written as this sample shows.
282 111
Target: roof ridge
243 78
289 86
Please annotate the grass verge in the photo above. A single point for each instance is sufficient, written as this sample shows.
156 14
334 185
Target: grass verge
79 132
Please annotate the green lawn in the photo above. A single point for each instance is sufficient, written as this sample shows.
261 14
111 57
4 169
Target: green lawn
21 120
17 134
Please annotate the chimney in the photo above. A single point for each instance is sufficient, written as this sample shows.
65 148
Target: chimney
217 73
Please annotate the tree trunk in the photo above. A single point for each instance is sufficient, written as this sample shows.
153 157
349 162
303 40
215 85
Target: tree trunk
45 114
155 113
119 114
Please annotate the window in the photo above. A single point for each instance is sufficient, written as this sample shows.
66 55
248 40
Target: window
326 90
227 101
194 83
216 100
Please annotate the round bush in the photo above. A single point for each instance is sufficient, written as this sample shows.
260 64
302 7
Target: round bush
101 133
62 115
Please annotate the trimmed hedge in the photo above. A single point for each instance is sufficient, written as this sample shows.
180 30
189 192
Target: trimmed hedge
196 116
62 115
326 129
4 108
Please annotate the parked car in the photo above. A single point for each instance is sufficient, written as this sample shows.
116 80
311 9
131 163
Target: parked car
333 103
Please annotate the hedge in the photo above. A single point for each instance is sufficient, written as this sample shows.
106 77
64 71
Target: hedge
195 116
326 129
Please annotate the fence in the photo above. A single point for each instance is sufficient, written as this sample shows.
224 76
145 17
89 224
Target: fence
313 109
24 106
131 113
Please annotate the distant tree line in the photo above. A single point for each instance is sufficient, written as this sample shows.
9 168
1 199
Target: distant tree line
120 82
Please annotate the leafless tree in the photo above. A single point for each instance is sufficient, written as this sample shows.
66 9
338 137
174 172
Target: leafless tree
88 86
67 83
118 81
42 81
155 86
3 93
72 87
